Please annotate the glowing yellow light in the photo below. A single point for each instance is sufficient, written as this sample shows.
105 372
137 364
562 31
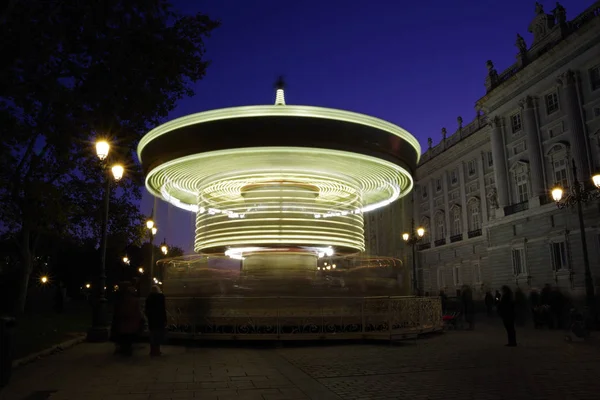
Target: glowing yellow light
87 286
141 270
44 279
164 249
309 197
159 282
420 232
102 148
126 260
333 266
116 287
405 236
596 180
117 171
557 193
149 224
154 230
328 267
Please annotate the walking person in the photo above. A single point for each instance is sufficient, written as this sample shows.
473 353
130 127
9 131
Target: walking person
468 306
489 303
156 314
506 309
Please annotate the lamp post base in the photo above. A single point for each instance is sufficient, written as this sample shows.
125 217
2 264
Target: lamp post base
100 330
98 334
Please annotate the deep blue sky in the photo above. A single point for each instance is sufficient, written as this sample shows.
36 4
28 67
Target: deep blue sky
416 64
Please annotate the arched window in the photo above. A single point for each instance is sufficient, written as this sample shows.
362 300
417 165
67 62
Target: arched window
456 221
440 226
474 215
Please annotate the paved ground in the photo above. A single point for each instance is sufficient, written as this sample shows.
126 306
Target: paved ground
456 365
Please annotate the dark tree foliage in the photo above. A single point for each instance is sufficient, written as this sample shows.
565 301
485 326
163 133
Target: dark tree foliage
73 71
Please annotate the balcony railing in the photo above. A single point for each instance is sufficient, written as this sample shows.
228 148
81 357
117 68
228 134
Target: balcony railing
456 238
440 242
515 208
474 233
424 246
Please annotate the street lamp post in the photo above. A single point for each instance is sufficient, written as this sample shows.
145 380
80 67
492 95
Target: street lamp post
152 231
99 332
412 239
577 195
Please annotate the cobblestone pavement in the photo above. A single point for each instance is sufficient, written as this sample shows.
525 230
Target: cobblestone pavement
455 365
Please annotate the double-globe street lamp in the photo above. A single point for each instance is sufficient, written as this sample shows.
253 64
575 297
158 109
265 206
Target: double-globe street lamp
100 325
577 194
412 239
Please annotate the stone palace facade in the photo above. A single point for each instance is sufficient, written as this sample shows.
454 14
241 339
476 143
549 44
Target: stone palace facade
483 192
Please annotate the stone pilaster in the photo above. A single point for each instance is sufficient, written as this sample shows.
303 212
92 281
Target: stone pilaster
536 165
570 100
498 153
463 199
432 227
446 206
482 195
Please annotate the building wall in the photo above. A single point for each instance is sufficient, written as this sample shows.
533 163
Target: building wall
482 193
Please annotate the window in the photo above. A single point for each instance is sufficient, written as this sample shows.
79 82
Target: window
456 225
519 262
522 187
438 185
595 77
471 167
441 278
490 159
596 111
454 177
551 102
456 275
560 172
515 122
440 231
424 192
425 225
476 273
559 256
474 215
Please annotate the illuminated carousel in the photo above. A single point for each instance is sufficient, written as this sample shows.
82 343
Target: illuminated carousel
279 192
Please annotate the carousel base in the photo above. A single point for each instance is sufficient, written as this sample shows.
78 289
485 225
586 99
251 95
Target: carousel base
303 318
294 296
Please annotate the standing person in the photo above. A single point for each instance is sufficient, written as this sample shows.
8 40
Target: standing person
489 303
156 314
506 309
127 321
468 306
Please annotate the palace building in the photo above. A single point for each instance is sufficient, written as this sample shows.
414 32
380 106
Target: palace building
483 192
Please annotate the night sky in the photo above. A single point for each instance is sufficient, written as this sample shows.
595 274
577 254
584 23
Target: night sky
416 64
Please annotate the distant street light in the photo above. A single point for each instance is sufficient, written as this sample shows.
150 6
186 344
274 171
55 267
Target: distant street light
150 224
163 247
154 230
44 279
412 239
87 286
141 270
126 260
577 195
